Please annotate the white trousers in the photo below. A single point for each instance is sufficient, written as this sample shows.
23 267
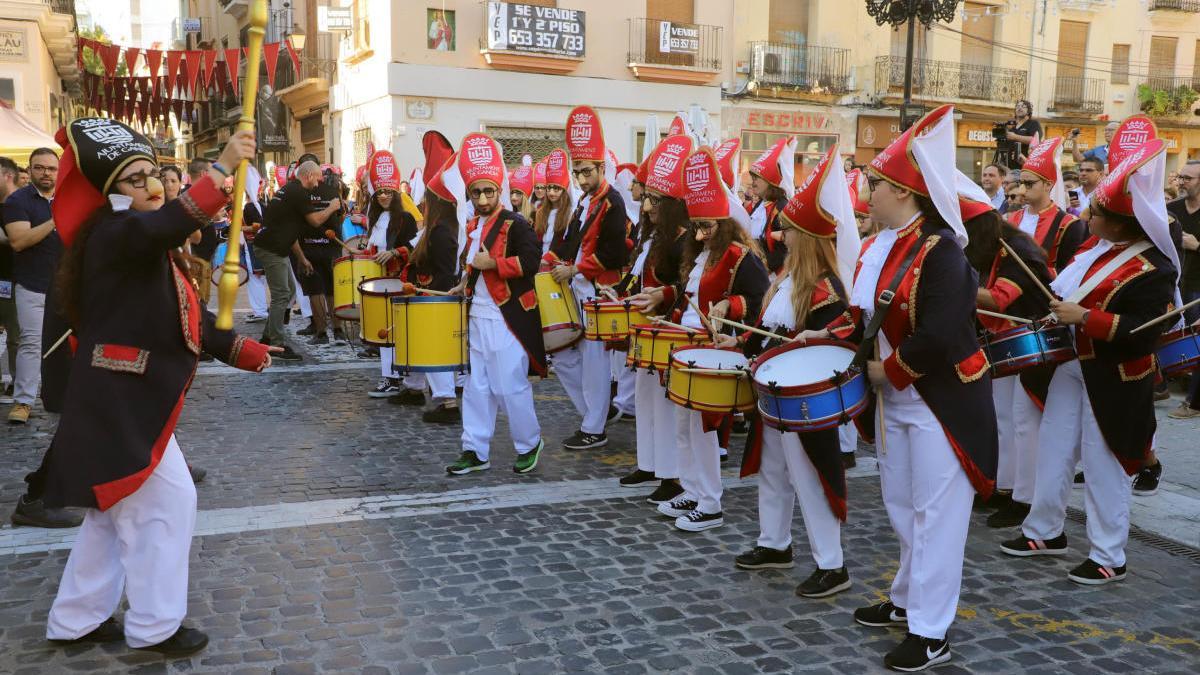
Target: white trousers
928 499
656 428
139 546
586 376
699 460
1017 419
499 378
1069 423
626 380
30 307
256 294
441 385
785 474
848 438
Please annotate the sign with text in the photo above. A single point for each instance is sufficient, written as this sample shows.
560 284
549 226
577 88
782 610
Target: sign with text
877 132
190 24
12 45
334 19
533 28
678 38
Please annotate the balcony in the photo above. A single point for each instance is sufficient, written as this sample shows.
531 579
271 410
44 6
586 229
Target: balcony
1192 6
238 9
309 88
1083 95
950 80
55 21
1168 96
778 69
674 53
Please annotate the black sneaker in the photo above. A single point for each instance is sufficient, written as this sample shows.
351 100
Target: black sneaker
698 520
582 441
286 355
824 583
665 492
678 507
613 414
724 456
998 500
387 388
205 357
917 653
109 631
1025 547
445 413
883 614
185 641
33 513
1146 482
1093 573
468 462
409 397
1011 515
848 460
636 478
319 339
762 558
740 426
627 417
1078 482
310 330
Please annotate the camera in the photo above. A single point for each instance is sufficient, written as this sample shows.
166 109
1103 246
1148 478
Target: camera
1000 131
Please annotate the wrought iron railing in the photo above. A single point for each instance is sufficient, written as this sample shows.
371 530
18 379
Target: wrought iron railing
1078 94
808 67
663 43
1176 5
1173 83
61 6
949 79
318 61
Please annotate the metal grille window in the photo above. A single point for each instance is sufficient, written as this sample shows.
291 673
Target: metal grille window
1120 63
810 148
517 141
362 137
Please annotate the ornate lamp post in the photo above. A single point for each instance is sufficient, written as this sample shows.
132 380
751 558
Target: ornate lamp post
896 12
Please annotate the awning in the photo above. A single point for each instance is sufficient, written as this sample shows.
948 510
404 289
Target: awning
19 136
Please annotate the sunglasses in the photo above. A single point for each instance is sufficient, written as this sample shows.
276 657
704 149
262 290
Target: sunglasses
488 192
138 180
1012 197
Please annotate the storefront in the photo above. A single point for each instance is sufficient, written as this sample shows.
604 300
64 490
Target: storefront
875 132
975 147
816 129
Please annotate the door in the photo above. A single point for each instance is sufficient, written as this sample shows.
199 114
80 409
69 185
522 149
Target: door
1072 50
672 11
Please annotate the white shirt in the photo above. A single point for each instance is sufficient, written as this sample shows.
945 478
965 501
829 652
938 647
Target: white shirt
483 306
758 220
1029 222
548 235
378 237
779 312
584 289
863 293
690 318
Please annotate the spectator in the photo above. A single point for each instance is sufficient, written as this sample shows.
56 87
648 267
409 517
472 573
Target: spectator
1008 183
22 177
36 247
1014 197
1186 211
1100 152
8 307
1023 130
204 241
321 252
992 181
172 180
1091 171
1071 185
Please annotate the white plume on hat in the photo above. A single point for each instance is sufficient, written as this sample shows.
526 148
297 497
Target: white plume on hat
787 168
416 185
934 151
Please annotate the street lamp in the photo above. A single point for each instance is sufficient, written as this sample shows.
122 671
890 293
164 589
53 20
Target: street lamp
896 12
296 39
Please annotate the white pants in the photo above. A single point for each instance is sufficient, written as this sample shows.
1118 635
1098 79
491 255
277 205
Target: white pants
786 473
140 546
928 499
441 385
301 298
256 294
499 378
657 447
699 460
848 438
1017 419
30 308
626 382
587 378
1069 423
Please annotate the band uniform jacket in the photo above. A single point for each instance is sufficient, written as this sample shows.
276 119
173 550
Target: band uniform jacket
599 234
774 251
1060 243
438 271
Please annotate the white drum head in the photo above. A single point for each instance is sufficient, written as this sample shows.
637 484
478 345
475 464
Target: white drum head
805 365
388 285
716 359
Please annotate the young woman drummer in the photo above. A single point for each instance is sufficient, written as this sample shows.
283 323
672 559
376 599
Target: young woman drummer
723 276
520 193
771 177
554 212
807 295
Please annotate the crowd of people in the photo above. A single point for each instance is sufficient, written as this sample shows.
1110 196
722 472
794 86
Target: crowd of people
906 263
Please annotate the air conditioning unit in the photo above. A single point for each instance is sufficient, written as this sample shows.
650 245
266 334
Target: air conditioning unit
774 64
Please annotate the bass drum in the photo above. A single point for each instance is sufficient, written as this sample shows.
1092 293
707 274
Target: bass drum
561 327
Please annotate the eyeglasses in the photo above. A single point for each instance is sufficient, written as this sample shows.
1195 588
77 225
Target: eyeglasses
138 180
585 172
488 192
554 188
654 200
44 169
1184 179
704 226
1028 183
873 183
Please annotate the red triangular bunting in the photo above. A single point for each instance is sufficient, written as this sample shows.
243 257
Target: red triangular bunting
295 58
173 59
153 61
233 57
222 80
108 57
271 59
210 60
131 56
193 68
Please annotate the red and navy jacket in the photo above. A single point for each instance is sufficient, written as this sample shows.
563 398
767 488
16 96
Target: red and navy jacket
739 277
140 333
438 271
1060 243
599 234
931 326
774 251
512 243
1119 366
668 268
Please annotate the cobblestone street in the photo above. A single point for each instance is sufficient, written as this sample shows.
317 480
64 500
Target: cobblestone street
330 539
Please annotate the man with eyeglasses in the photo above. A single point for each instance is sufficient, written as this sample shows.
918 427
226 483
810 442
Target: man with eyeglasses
36 247
1058 232
1091 170
1186 210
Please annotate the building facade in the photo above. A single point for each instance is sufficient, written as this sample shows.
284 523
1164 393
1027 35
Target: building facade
38 74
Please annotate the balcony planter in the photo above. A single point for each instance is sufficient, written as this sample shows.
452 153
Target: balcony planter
1161 102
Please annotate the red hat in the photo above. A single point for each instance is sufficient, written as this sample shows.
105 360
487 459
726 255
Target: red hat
706 196
643 171
1133 132
677 127
1115 193
282 173
854 182
777 165
95 151
539 173
521 179
627 166
1043 160
585 137
480 159
558 170
360 173
727 154
665 166
896 163
437 185
385 174
804 211
437 151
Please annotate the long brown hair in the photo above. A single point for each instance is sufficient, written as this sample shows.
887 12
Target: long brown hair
672 219
438 213
727 232
810 260
562 219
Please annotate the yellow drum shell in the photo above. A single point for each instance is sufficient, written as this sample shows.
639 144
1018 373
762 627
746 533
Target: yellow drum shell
348 272
375 324
719 391
561 327
609 321
429 334
650 346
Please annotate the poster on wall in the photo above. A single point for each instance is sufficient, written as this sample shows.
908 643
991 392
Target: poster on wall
442 30
678 38
12 44
533 28
271 127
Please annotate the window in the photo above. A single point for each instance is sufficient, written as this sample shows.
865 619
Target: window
362 26
1162 62
979 31
639 139
900 44
8 92
789 21
1072 48
810 148
517 141
362 138
1196 66
1120 63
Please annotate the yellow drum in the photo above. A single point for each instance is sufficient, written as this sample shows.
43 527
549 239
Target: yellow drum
375 325
609 321
710 379
650 346
348 272
429 334
561 327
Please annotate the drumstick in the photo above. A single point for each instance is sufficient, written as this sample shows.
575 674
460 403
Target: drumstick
329 233
714 371
1033 277
1168 315
609 292
703 318
430 291
58 343
752 329
998 315
668 324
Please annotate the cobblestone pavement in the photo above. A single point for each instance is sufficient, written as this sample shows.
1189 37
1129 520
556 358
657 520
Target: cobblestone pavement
332 541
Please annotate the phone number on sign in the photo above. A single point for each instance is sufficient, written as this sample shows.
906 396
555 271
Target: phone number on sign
551 42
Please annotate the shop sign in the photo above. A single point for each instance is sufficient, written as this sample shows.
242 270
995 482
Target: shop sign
877 132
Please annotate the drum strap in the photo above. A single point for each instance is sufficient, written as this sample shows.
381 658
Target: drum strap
1052 233
867 347
1112 266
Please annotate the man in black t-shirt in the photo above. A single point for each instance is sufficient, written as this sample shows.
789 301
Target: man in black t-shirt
322 251
1186 211
1024 131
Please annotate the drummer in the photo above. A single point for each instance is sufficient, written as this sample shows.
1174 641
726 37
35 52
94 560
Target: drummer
771 183
521 189
554 210
590 255
1058 232
659 257
722 275
539 186
807 295
1103 403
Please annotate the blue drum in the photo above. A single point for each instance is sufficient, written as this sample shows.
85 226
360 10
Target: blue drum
219 260
1016 349
809 387
1179 351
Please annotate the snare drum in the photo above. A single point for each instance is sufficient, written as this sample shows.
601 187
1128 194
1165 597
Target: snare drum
348 272
709 379
807 387
219 260
1015 349
1179 351
358 242
561 327
429 334
375 326
609 321
651 345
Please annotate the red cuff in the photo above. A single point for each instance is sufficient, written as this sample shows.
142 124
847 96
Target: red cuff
1100 325
590 267
668 296
843 326
205 197
898 372
247 354
1004 293
509 268
737 307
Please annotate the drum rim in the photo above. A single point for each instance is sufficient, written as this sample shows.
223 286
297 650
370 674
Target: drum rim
361 291
672 355
650 330
794 389
356 256
1180 335
400 299
704 407
610 306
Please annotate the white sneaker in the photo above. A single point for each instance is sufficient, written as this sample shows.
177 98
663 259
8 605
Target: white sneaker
386 388
680 506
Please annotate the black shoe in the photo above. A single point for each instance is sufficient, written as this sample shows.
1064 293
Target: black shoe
310 330
824 583
205 357
917 653
697 520
740 426
109 631
613 414
1024 547
198 474
445 413
883 614
998 500
582 441
636 478
665 492
33 513
458 391
184 642
409 397
1011 515
286 355
848 460
678 507
1146 482
339 336
1078 482
762 558
368 353
1093 573
468 462
319 339
626 417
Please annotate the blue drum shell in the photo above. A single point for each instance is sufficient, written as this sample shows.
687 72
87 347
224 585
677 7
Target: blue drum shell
815 411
